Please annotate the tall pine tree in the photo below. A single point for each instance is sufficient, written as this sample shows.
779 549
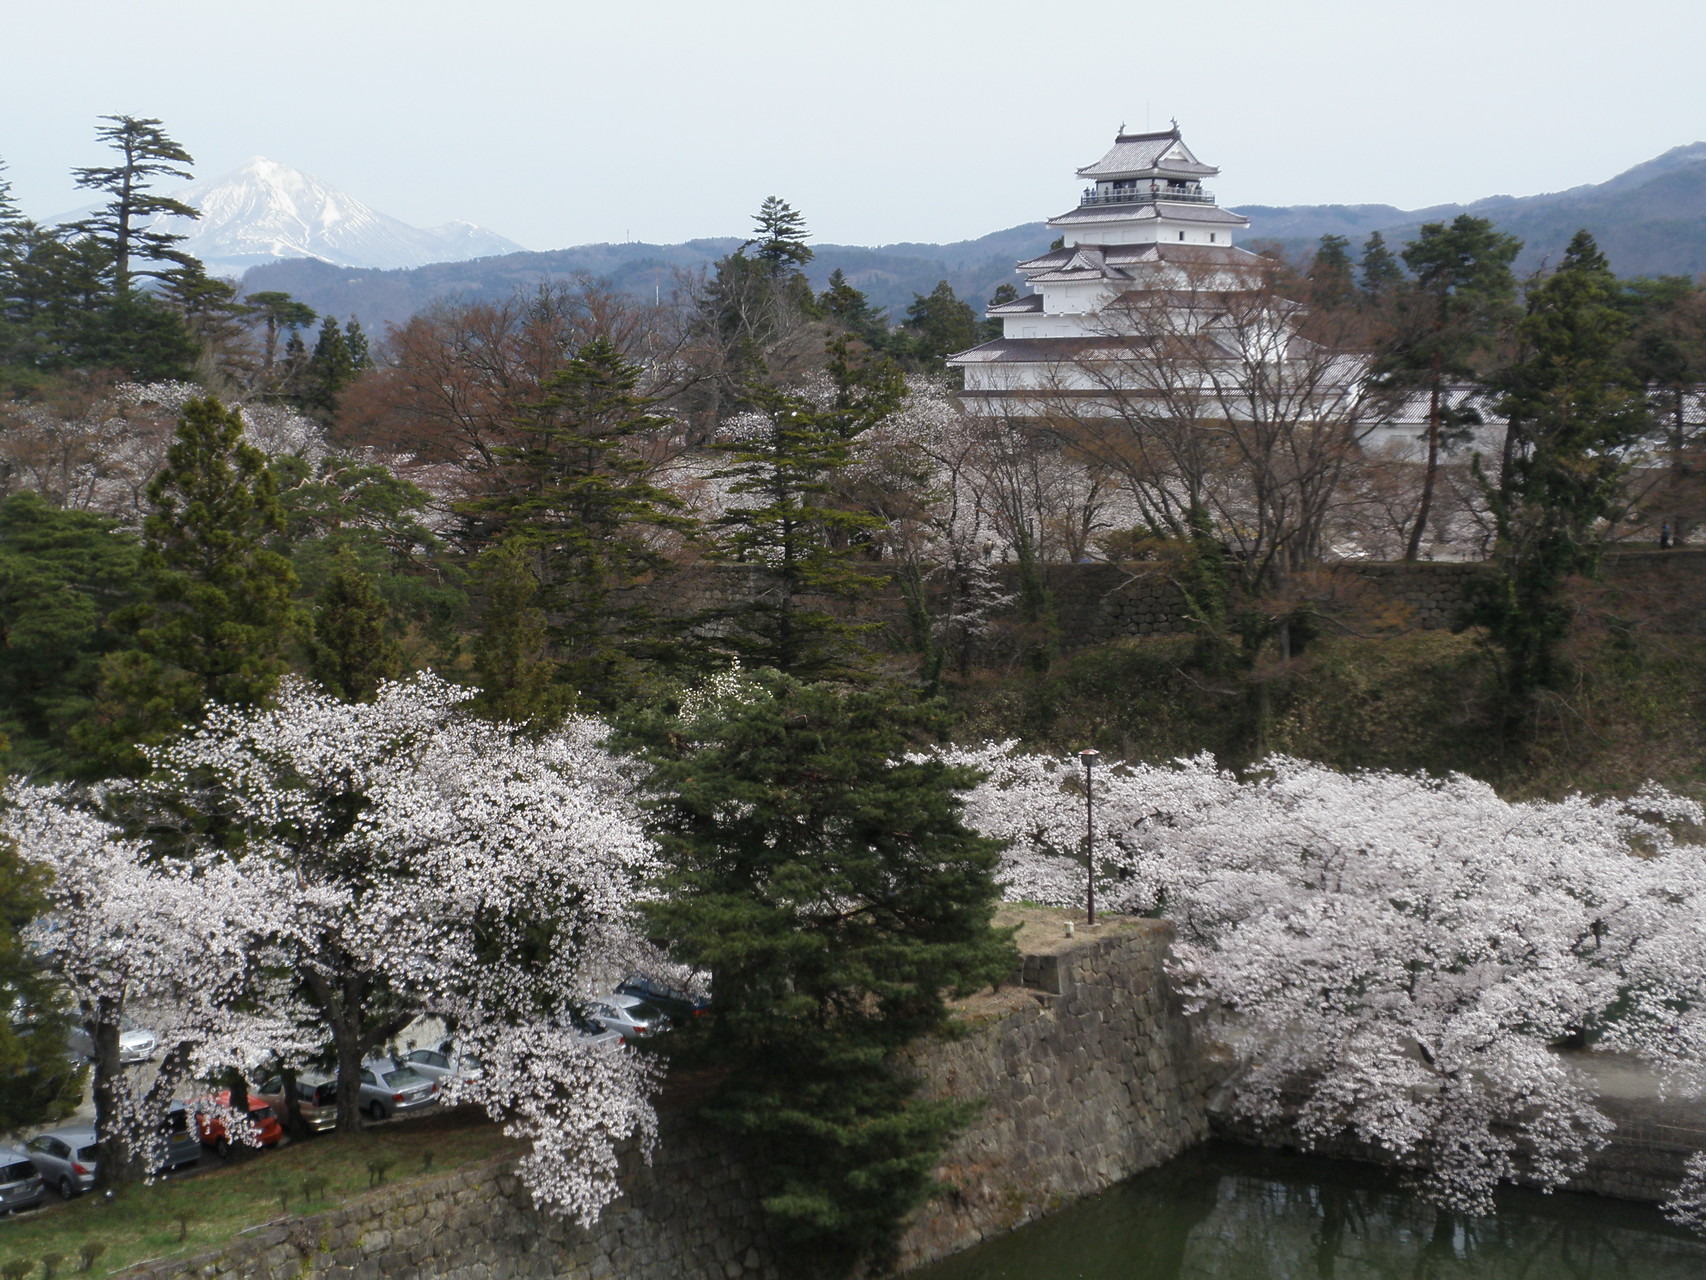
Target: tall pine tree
825 878
1448 315
1574 408
218 617
124 225
512 651
575 496
784 516
351 652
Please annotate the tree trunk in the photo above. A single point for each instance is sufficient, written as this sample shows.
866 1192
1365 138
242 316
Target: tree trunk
1413 550
120 1161
348 1045
294 1124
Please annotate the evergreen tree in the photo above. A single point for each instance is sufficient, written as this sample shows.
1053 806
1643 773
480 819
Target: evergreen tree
512 660
824 877
63 575
276 312
330 369
991 327
355 341
782 515
138 335
941 324
57 311
291 376
1331 276
1380 271
846 306
40 1084
780 245
218 616
1668 348
10 215
213 320
868 388
1447 316
350 652
576 498
145 154
1574 408
752 320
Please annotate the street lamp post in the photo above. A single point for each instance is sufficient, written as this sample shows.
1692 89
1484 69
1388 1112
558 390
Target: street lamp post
1089 756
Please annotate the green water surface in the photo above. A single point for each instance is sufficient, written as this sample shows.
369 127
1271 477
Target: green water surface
1230 1213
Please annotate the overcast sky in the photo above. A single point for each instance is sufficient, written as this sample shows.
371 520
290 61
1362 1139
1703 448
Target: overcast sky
557 122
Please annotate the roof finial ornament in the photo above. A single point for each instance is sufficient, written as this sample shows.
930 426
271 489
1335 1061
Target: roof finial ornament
1175 124
1122 127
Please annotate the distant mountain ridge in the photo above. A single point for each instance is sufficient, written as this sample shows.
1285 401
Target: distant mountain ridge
269 212
1649 220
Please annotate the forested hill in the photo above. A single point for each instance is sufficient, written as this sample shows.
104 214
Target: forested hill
889 276
1650 220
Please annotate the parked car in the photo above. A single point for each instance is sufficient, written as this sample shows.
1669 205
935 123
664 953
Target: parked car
389 1088
628 1016
135 1044
443 1064
21 1185
316 1099
210 1123
183 1145
677 1002
594 1034
67 1158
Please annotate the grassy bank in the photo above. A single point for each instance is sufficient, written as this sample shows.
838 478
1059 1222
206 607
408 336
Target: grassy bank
213 1205
1635 709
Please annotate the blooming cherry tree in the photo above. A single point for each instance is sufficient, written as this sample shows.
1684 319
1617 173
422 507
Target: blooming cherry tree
433 863
169 945
1392 956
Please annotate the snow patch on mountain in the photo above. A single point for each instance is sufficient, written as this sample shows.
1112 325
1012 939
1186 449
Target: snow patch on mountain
267 211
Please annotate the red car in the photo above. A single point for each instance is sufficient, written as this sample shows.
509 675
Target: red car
211 1125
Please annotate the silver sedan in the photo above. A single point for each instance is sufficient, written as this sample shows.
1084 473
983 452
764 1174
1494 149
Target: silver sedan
66 1158
628 1016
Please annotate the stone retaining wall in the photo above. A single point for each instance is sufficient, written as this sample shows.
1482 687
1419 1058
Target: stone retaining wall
1095 603
1089 1073
1642 1160
1098 1079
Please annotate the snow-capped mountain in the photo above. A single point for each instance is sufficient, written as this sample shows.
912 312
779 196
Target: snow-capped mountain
266 211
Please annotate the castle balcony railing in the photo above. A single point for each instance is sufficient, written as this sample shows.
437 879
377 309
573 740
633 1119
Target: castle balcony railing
1136 195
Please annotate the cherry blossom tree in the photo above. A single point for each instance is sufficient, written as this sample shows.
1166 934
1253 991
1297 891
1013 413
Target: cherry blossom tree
1392 957
428 862
176 946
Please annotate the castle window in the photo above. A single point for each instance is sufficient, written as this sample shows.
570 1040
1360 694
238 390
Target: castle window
1181 235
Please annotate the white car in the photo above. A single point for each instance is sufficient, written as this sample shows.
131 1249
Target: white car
441 1064
135 1044
389 1088
628 1016
594 1034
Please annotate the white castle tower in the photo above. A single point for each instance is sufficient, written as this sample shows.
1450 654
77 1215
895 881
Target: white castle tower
1144 233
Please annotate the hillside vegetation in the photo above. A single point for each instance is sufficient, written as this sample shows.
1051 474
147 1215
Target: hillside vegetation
1634 710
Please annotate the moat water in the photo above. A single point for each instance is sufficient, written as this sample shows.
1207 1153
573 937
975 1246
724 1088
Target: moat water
1231 1213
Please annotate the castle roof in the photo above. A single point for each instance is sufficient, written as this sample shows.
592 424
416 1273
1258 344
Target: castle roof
1174 211
1030 304
1162 251
1149 155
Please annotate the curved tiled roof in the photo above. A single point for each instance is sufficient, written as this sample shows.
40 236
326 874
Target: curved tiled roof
1173 211
1143 155
1131 255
